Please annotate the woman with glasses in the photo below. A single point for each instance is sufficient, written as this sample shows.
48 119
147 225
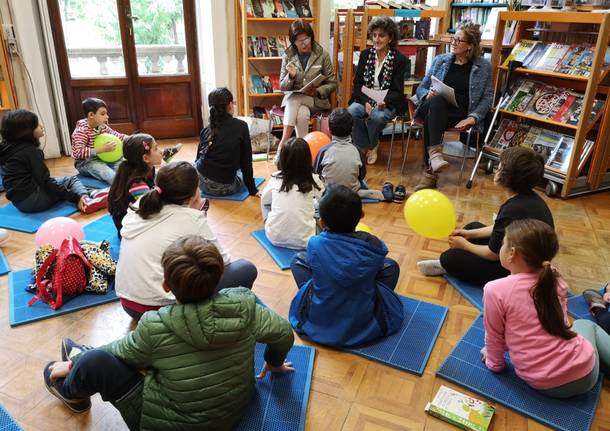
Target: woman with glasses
303 61
469 75
381 67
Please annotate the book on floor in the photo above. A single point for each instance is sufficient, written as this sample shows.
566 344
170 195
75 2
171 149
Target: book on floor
460 409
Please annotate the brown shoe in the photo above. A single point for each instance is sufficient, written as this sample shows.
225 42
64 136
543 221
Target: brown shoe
428 181
437 163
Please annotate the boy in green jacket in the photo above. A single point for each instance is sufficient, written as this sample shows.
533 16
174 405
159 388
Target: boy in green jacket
196 357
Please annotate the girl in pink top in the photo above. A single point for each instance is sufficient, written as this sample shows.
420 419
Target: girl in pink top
526 315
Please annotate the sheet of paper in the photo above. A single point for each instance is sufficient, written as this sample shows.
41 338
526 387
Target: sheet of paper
439 87
377 95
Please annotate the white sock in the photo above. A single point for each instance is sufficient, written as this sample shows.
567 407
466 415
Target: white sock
431 267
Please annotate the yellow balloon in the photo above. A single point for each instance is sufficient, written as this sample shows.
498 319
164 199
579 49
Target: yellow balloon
430 213
363 228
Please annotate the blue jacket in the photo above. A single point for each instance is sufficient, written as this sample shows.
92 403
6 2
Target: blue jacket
343 305
480 95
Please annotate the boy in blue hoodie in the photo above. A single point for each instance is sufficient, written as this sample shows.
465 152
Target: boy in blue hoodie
346 283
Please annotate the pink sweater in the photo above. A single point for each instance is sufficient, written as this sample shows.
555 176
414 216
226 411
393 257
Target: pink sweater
543 360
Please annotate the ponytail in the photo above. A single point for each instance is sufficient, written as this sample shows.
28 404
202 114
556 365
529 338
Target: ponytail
218 100
536 242
175 184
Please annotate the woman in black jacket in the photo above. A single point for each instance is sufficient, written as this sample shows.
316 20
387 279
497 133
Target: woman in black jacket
381 67
26 178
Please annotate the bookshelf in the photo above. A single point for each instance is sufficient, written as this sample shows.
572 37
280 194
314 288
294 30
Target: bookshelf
476 11
7 92
248 65
581 175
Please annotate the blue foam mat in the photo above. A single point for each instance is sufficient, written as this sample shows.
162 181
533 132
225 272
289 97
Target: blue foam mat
92 183
578 308
103 229
473 293
1 183
239 196
20 313
4 268
13 219
281 255
7 423
369 201
409 349
280 401
464 367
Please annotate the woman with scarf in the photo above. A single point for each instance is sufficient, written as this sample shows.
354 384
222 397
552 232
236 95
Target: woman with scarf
381 67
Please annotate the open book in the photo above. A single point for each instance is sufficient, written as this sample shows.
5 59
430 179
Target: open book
315 82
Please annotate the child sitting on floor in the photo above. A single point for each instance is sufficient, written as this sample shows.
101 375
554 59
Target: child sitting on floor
135 176
341 162
598 306
473 254
197 355
346 283
526 315
25 175
287 201
173 208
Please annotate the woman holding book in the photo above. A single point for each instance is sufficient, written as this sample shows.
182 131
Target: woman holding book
304 61
469 75
382 68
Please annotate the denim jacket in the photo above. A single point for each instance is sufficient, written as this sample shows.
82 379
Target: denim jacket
481 94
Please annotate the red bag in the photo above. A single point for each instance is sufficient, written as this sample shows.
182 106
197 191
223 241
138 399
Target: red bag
67 277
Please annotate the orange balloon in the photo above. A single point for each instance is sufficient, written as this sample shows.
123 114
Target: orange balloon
316 141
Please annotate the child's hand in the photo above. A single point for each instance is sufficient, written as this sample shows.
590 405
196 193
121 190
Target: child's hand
81 204
458 242
368 108
483 354
60 370
107 148
286 367
460 232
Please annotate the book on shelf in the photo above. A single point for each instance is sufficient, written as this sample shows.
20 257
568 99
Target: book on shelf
520 51
552 56
460 409
542 141
510 133
560 158
278 9
289 9
422 29
257 8
302 8
534 55
489 29
272 45
268 8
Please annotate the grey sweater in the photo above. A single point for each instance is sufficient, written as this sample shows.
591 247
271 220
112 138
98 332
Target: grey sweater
340 162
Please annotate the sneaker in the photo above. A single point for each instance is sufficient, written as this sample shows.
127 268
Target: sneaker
92 205
3 236
594 300
70 348
400 194
99 193
56 388
431 268
169 153
388 191
371 156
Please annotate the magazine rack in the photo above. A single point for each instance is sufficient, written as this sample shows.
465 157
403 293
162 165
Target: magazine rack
246 66
594 28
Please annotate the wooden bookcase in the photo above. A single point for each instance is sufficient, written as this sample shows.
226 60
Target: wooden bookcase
474 7
8 101
574 27
250 26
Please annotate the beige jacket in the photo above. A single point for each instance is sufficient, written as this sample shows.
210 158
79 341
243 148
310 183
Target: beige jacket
319 62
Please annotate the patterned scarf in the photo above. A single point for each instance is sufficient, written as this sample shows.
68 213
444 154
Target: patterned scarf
386 71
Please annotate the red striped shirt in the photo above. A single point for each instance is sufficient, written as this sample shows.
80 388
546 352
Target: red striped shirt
83 136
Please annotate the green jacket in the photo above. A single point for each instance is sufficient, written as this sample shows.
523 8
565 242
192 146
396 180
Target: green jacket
199 361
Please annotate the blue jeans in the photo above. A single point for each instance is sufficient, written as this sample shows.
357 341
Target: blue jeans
42 200
95 168
215 188
366 130
387 275
239 273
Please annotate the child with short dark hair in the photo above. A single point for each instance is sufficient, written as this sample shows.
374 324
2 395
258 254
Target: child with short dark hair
346 283
526 314
473 254
197 355
288 200
341 162
29 185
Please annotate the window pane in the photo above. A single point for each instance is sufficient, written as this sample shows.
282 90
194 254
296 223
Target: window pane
159 37
93 39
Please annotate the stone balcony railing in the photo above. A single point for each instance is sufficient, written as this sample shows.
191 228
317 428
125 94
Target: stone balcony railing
161 57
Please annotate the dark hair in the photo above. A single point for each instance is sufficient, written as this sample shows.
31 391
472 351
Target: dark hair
297 27
177 183
133 166
340 122
341 209
19 125
218 100
92 104
295 163
521 168
536 242
192 267
386 24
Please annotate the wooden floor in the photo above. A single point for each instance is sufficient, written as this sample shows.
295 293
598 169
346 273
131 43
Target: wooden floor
347 392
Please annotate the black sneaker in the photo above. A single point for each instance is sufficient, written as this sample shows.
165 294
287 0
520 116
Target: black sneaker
400 194
388 191
70 348
55 387
169 153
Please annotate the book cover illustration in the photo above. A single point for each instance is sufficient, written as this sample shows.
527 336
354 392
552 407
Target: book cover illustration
570 59
257 8
289 9
282 45
552 57
560 159
510 133
542 141
268 8
272 45
535 54
520 51
278 9
256 84
523 92
460 409
302 8
582 66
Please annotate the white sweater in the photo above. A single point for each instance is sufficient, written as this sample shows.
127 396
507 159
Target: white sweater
290 222
139 273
